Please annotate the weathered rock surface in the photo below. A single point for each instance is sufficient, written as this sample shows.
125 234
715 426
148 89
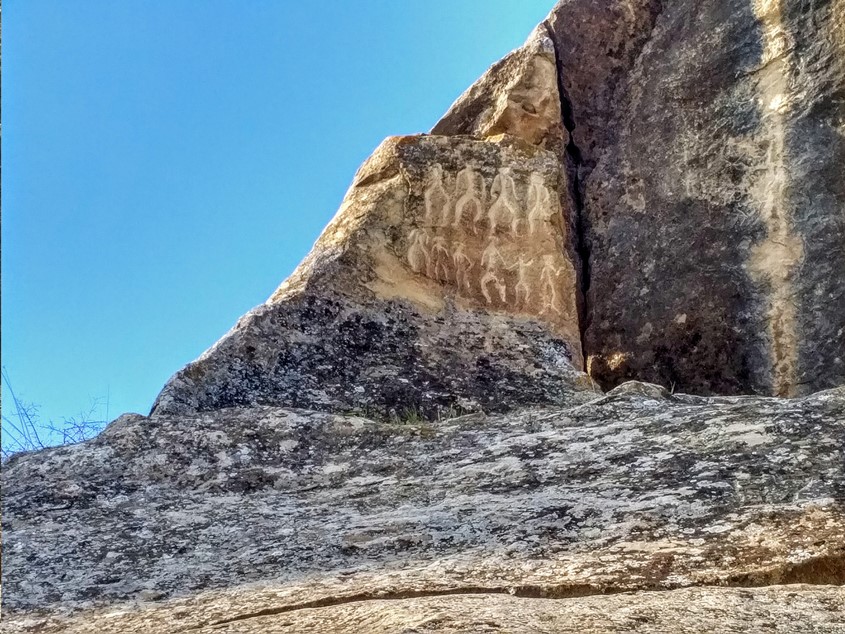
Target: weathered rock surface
685 165
446 280
712 137
794 609
635 490
518 95
449 279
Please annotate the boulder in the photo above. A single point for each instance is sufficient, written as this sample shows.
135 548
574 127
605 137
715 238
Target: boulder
445 282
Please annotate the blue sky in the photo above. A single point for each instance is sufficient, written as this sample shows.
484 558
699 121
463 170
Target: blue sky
169 162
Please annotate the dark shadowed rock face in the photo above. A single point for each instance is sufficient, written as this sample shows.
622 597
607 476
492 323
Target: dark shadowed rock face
714 213
634 490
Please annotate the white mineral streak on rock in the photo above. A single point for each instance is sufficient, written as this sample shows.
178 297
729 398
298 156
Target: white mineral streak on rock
774 261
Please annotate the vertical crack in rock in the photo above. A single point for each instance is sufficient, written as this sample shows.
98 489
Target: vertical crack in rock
572 160
774 261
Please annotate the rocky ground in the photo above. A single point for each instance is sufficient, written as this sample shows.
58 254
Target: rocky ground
270 511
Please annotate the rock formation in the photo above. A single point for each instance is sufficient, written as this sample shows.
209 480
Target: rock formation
681 166
638 490
445 281
713 193
409 434
448 281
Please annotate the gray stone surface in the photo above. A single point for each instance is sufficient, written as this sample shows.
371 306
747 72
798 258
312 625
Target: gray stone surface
699 211
402 438
638 489
793 609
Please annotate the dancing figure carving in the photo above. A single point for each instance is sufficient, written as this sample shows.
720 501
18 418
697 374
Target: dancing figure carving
463 265
522 290
539 204
441 257
505 210
437 199
418 253
548 276
494 265
470 201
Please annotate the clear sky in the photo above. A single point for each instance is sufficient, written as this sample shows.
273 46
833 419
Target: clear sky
169 162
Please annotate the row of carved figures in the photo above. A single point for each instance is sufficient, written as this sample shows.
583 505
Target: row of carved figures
436 259
467 203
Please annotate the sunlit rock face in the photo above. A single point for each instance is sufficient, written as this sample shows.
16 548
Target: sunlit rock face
403 437
641 191
519 95
446 280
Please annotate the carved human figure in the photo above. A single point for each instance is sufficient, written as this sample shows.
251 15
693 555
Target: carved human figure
494 266
469 202
463 265
505 209
437 199
548 275
539 204
418 253
441 257
522 290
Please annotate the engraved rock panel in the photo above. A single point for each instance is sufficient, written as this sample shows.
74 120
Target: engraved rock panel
443 282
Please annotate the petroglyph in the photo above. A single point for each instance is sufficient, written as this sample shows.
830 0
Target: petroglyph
495 266
441 257
540 208
470 201
505 210
491 277
418 254
548 278
491 257
463 266
522 290
437 199
500 249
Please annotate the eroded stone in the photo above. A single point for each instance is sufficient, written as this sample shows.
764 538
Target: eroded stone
446 281
639 489
713 193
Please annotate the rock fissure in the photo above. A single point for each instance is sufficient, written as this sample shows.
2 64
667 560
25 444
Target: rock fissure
522 592
826 570
572 160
